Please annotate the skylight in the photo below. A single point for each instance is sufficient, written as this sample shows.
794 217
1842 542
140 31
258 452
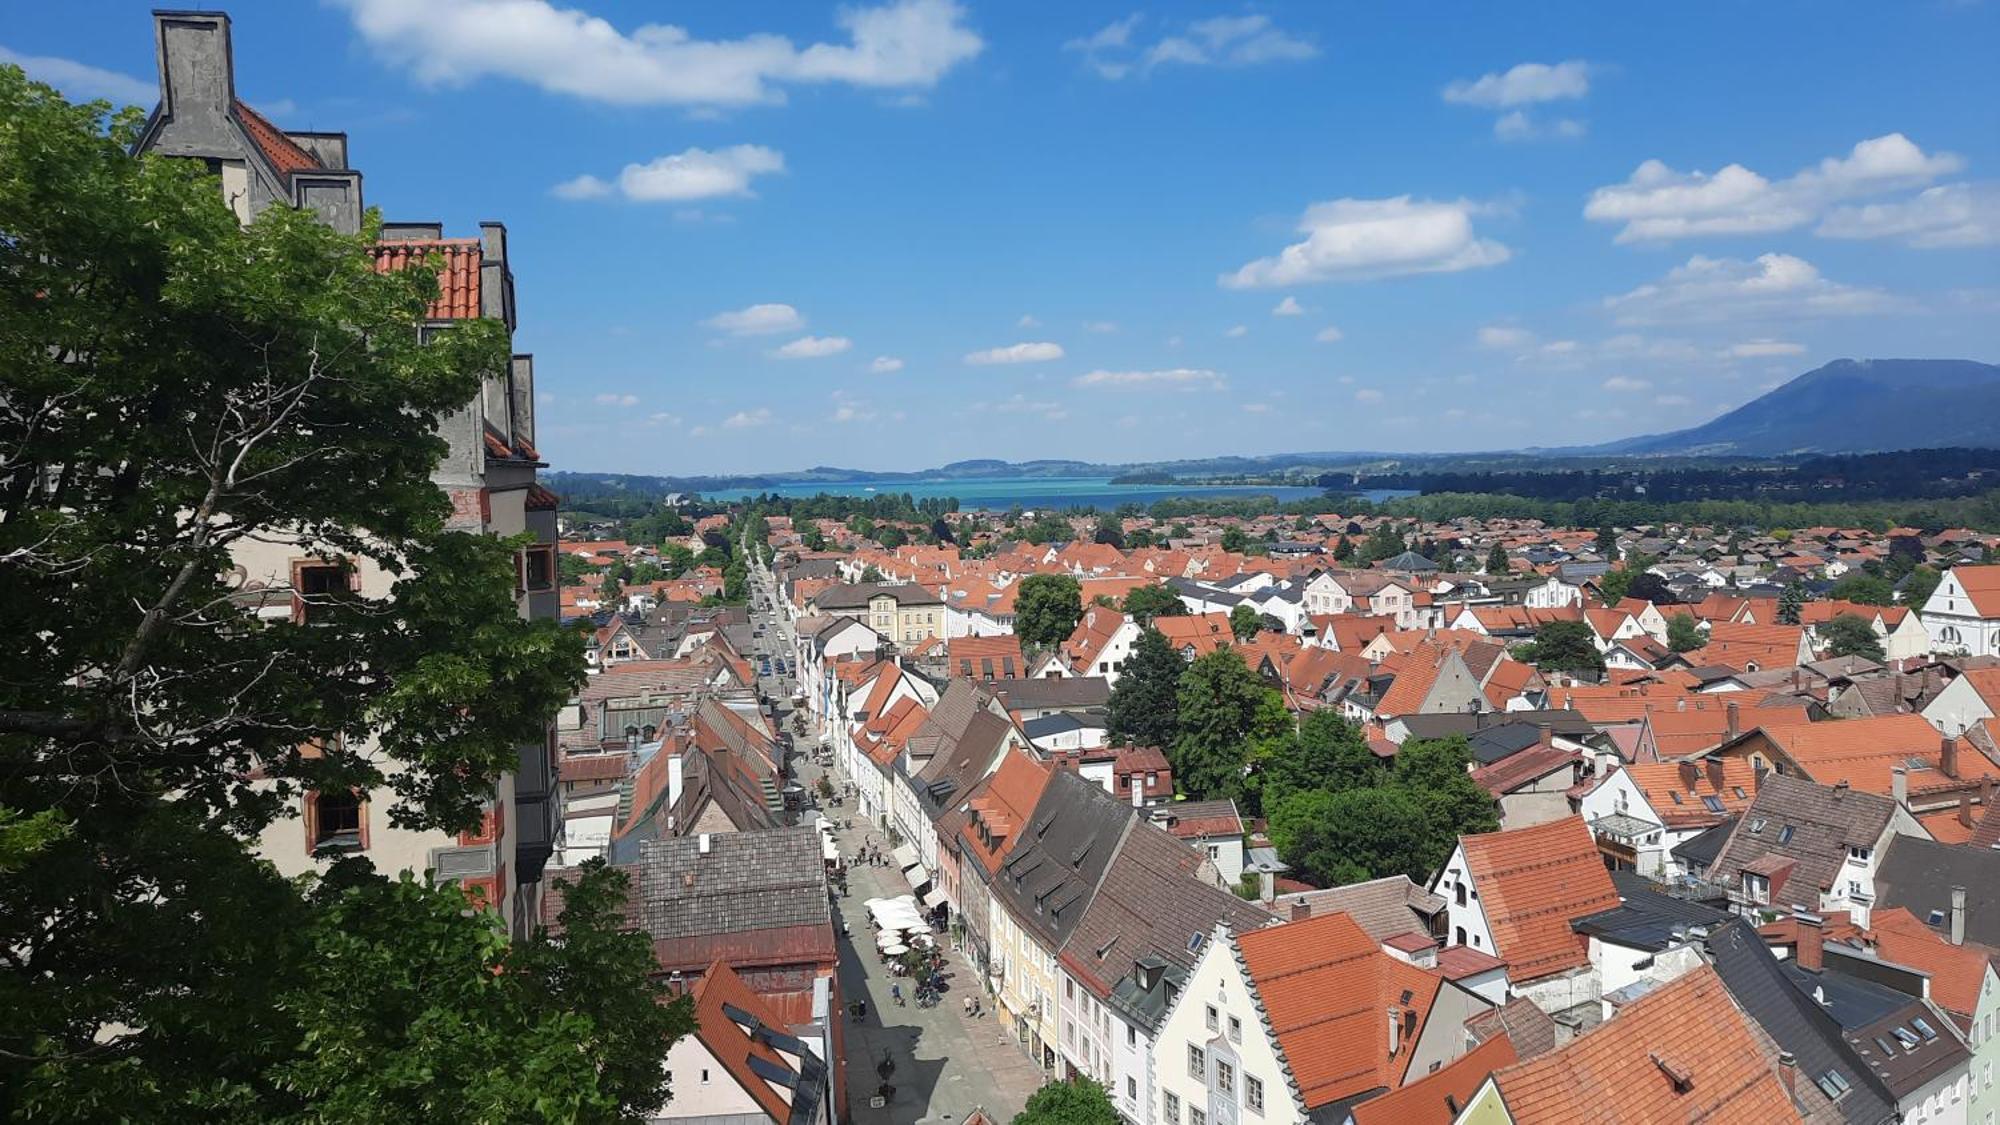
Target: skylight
1832 1084
1194 943
1756 825
1714 803
1905 1036
1785 834
1924 1028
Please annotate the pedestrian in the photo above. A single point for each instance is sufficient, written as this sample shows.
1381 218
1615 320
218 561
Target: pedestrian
967 1006
896 994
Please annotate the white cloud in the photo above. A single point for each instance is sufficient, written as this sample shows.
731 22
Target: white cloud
1021 404
1672 400
1100 326
1256 408
1359 239
1626 383
885 365
1525 84
1027 321
80 80
1519 126
1718 289
1657 203
1503 337
1368 396
1289 307
1750 349
748 419
1329 335
1947 216
1238 331
758 320
617 400
847 408
907 44
1114 52
814 347
1015 353
663 418
694 174
1183 378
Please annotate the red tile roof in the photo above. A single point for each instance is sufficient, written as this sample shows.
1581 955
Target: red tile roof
1679 791
1982 587
1325 985
1957 971
457 271
1436 1099
731 1045
1682 1053
284 153
1863 752
1531 883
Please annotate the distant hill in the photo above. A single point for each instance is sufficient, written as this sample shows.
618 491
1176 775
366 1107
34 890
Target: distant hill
1848 406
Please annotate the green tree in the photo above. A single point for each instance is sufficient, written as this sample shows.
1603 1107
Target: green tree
1684 633
1791 602
812 539
676 559
179 385
1607 542
1434 773
1139 539
1850 635
1109 532
1864 589
1612 586
870 574
862 527
1354 835
1648 587
1245 622
1078 1101
1144 603
1224 712
1047 608
1918 586
1385 541
1496 561
1144 709
891 537
1566 646
572 568
1329 753
1233 540
1343 550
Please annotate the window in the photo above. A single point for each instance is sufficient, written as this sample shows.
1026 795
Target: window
1458 892
1235 1030
1197 1117
1714 804
1170 1110
1197 1063
1832 1084
1756 825
1214 1019
1225 1079
315 582
538 568
1131 1088
704 1076
335 825
1785 834
1861 854
1253 1094
1458 936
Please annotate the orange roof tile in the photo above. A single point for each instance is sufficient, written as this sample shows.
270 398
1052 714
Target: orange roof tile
1325 985
282 151
1679 791
1203 632
457 271
1982 587
733 1047
1957 971
1531 883
1863 752
1682 1053
1436 1098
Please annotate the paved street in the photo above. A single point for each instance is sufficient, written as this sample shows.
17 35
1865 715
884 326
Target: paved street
946 1064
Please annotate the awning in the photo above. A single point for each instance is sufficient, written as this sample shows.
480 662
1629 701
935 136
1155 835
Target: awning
906 857
933 896
918 877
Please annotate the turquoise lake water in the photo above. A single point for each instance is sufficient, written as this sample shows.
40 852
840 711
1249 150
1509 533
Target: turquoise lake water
1000 493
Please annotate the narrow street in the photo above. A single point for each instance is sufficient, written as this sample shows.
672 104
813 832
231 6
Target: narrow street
945 1063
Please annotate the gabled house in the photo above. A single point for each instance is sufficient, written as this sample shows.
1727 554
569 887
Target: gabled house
1100 645
994 812
1896 756
1641 812
744 1062
1808 846
1513 894
1963 614
1299 1023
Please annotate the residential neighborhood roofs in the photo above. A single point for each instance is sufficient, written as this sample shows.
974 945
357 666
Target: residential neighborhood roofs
1531 883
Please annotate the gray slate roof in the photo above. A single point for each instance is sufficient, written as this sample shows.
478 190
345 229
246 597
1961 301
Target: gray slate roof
1047 879
1043 694
747 881
856 595
1824 821
1382 908
1918 875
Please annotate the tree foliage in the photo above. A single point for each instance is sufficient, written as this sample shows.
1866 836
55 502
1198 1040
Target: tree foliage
1145 603
1078 1101
1566 646
1366 819
1047 608
1684 633
1144 708
180 388
1497 562
1863 588
1245 622
1851 635
1791 603
1227 714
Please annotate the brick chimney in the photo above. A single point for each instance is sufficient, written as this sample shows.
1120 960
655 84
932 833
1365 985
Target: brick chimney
1715 775
1690 775
1300 911
1965 808
1732 725
1811 941
1788 1073
1899 785
1948 756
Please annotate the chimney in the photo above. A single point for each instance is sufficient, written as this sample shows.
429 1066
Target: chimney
1958 915
1300 911
1715 775
1811 940
1899 785
1267 887
1965 808
1788 1073
1690 775
1395 1031
1544 736
197 72
1986 792
1948 756
1732 726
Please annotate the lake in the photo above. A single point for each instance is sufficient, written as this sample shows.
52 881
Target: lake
1001 493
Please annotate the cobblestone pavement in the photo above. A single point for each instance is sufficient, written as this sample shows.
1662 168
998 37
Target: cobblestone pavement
946 1063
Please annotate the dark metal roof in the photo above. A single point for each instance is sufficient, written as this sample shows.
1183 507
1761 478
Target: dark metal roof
1645 918
1056 864
1918 875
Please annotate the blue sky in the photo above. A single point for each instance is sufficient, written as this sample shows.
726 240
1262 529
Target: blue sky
889 235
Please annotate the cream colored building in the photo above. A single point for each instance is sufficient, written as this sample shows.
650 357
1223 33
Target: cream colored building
906 613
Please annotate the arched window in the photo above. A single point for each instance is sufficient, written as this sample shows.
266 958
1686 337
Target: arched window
1459 939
